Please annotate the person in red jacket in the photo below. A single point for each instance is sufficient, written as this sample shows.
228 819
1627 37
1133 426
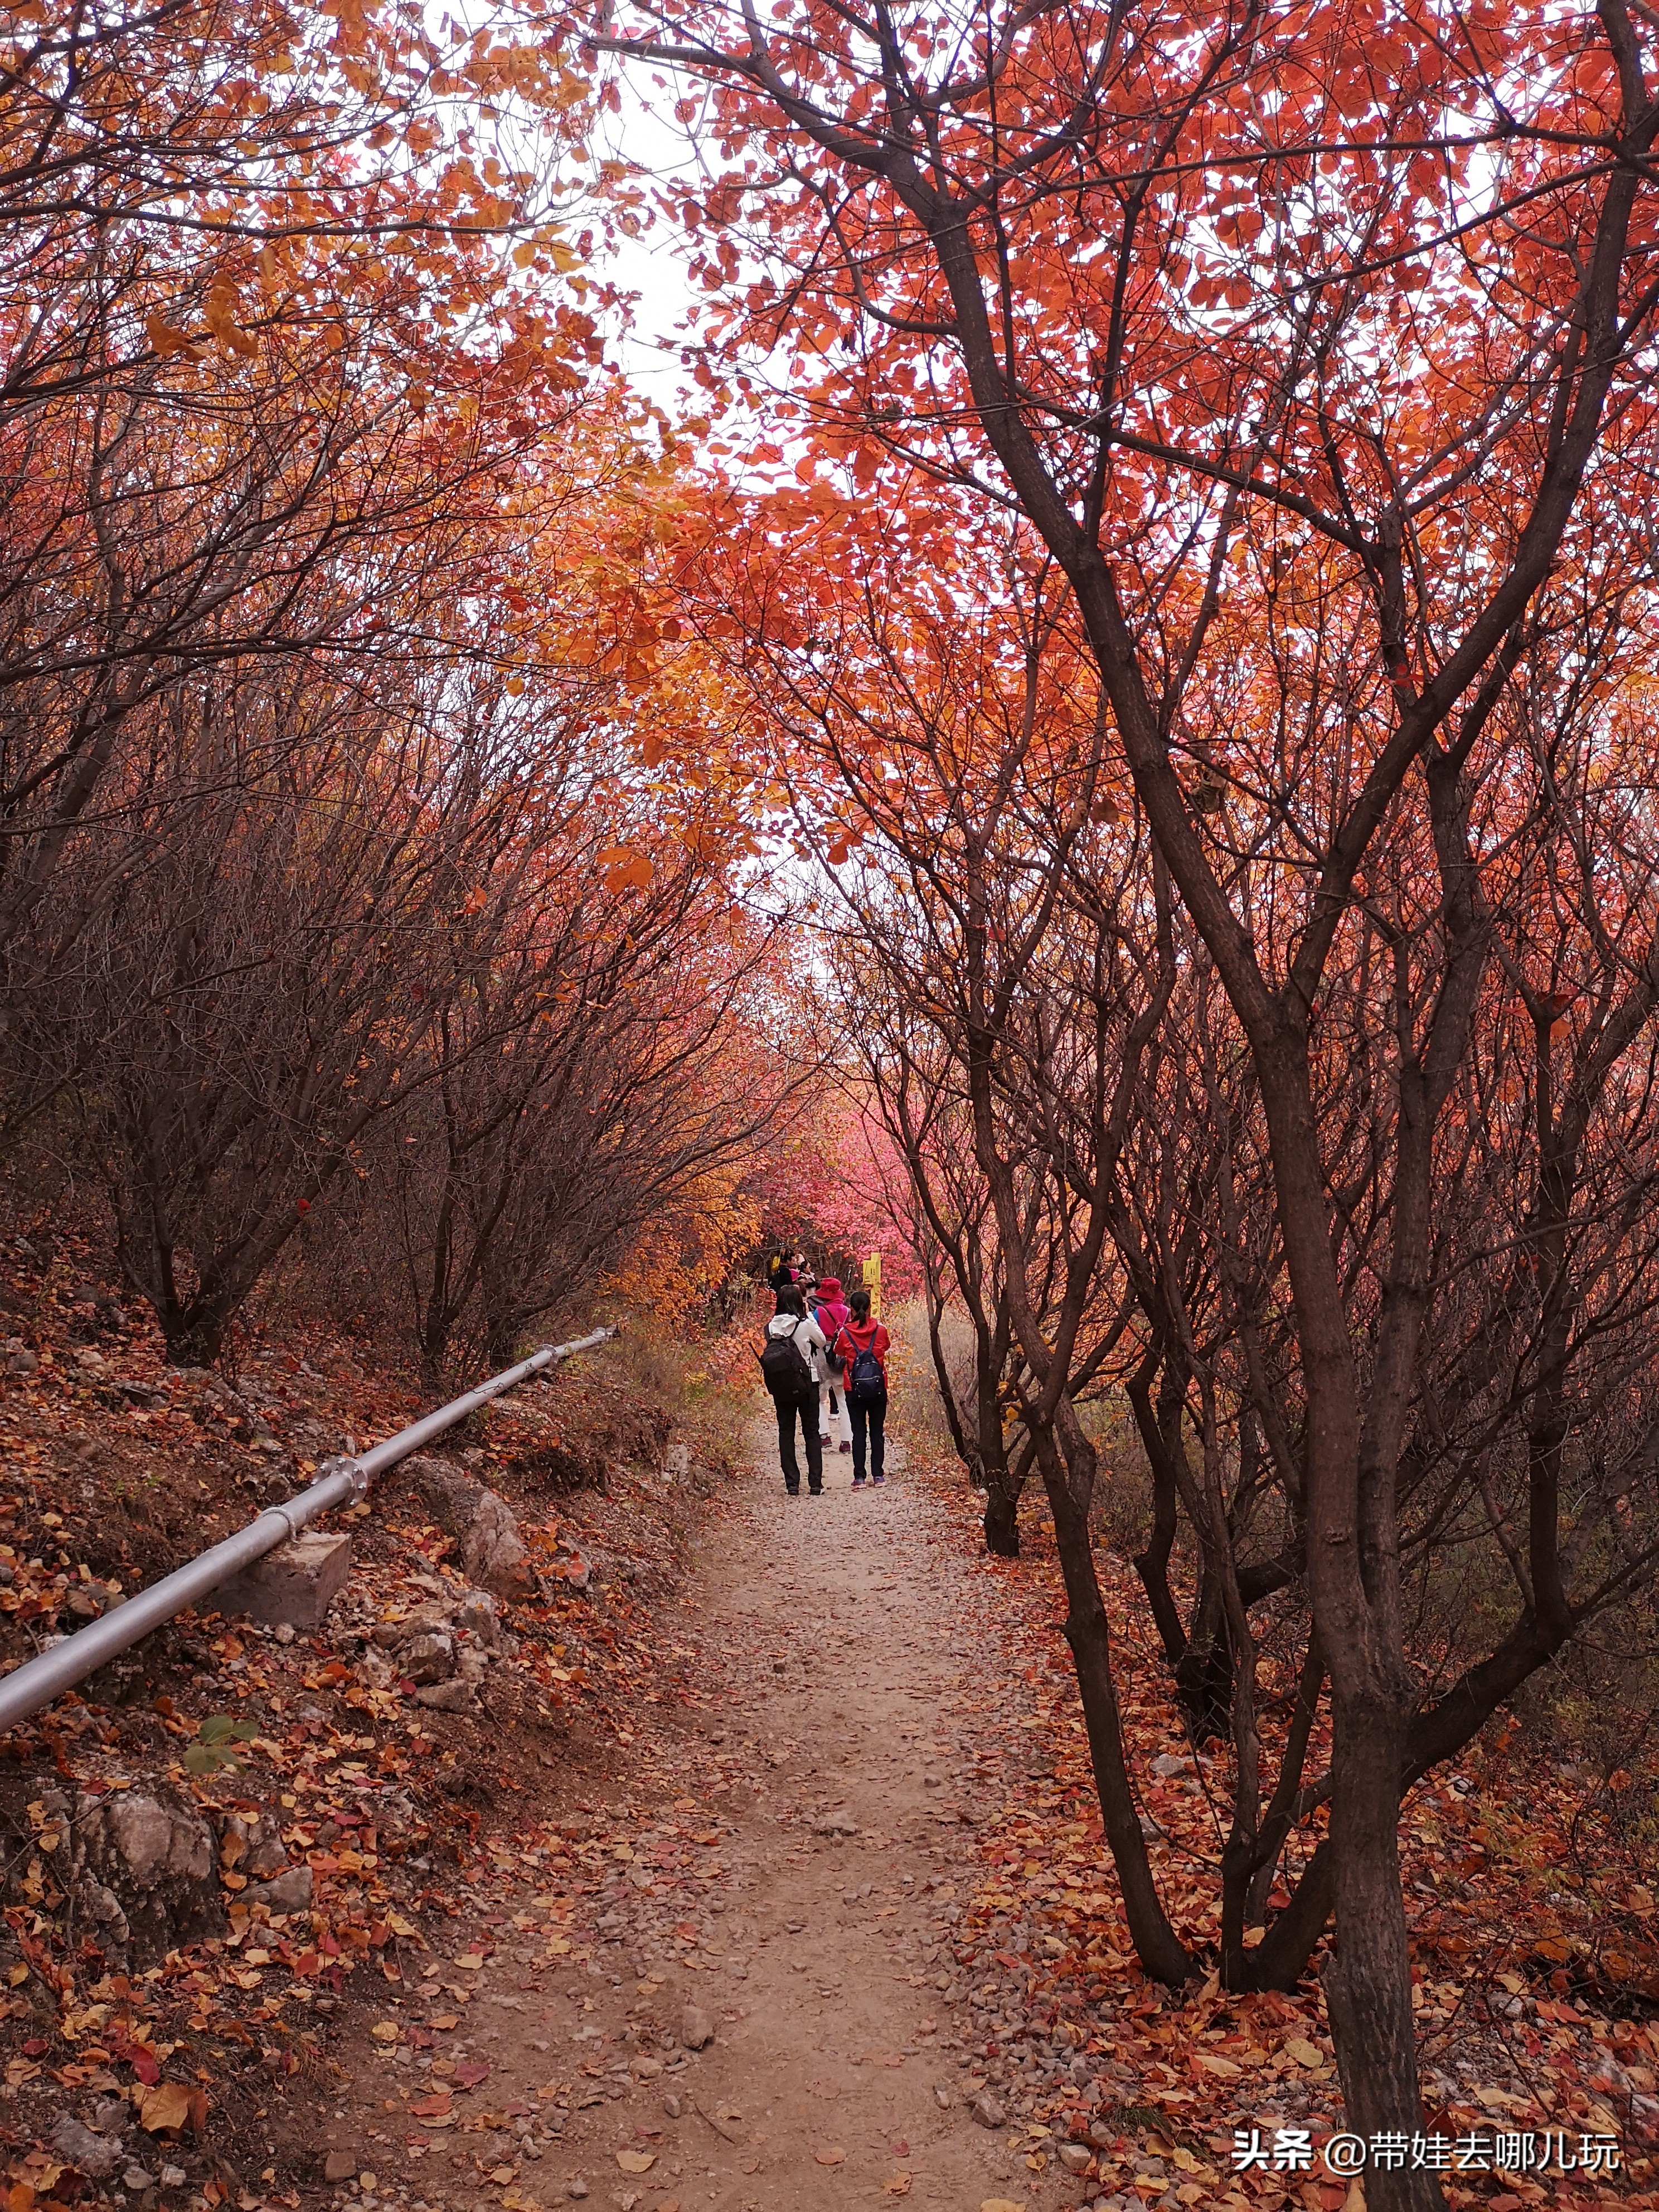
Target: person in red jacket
861 1347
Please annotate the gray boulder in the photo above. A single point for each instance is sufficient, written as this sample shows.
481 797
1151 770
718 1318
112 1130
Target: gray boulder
476 1615
146 1862
493 1552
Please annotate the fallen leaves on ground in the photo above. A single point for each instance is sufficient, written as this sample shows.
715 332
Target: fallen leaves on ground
166 2105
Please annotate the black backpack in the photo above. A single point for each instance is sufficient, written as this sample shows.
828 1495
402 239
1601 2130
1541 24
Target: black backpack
865 1383
784 1369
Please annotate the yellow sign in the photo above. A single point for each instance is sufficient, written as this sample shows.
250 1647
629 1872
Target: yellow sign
872 1281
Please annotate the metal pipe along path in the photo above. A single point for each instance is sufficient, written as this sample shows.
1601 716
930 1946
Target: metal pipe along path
339 1482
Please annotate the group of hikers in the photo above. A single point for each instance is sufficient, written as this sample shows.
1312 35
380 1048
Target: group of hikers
825 1362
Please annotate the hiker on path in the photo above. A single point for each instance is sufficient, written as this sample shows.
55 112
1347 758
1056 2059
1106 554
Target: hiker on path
792 1369
861 1347
832 1314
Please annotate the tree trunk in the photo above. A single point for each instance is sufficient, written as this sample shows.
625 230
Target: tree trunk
193 1329
1001 1514
502 1334
1280 1959
1203 1674
1368 1977
1088 1632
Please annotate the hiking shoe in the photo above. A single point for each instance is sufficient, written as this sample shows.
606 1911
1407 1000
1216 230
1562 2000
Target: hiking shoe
846 1447
878 1478
858 1482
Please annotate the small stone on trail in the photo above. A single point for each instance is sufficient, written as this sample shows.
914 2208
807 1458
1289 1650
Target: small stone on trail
836 1824
429 1658
696 2029
96 2156
1074 2157
986 2110
575 2189
290 1892
454 1697
339 2165
942 2097
173 2176
671 2106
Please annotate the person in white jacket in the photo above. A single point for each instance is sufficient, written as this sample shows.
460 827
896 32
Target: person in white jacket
793 1376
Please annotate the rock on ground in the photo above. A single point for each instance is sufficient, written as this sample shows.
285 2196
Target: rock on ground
151 1856
493 1552
97 2156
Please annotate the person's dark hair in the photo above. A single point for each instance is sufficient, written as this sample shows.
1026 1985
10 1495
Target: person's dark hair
789 1301
860 1302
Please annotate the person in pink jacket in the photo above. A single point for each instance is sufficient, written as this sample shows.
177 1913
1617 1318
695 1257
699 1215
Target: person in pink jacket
832 1314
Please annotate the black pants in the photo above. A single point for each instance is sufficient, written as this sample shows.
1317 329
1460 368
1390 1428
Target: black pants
805 1411
873 1418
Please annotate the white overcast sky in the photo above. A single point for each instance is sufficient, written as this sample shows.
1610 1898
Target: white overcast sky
653 265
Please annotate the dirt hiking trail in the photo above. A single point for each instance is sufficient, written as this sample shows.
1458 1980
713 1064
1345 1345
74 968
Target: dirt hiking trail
837 1762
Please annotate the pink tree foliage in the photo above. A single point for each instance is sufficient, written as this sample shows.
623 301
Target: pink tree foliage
836 1187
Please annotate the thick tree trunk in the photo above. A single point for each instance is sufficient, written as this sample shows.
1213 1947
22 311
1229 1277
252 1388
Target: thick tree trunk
1003 1484
1001 1514
1368 1977
503 1332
